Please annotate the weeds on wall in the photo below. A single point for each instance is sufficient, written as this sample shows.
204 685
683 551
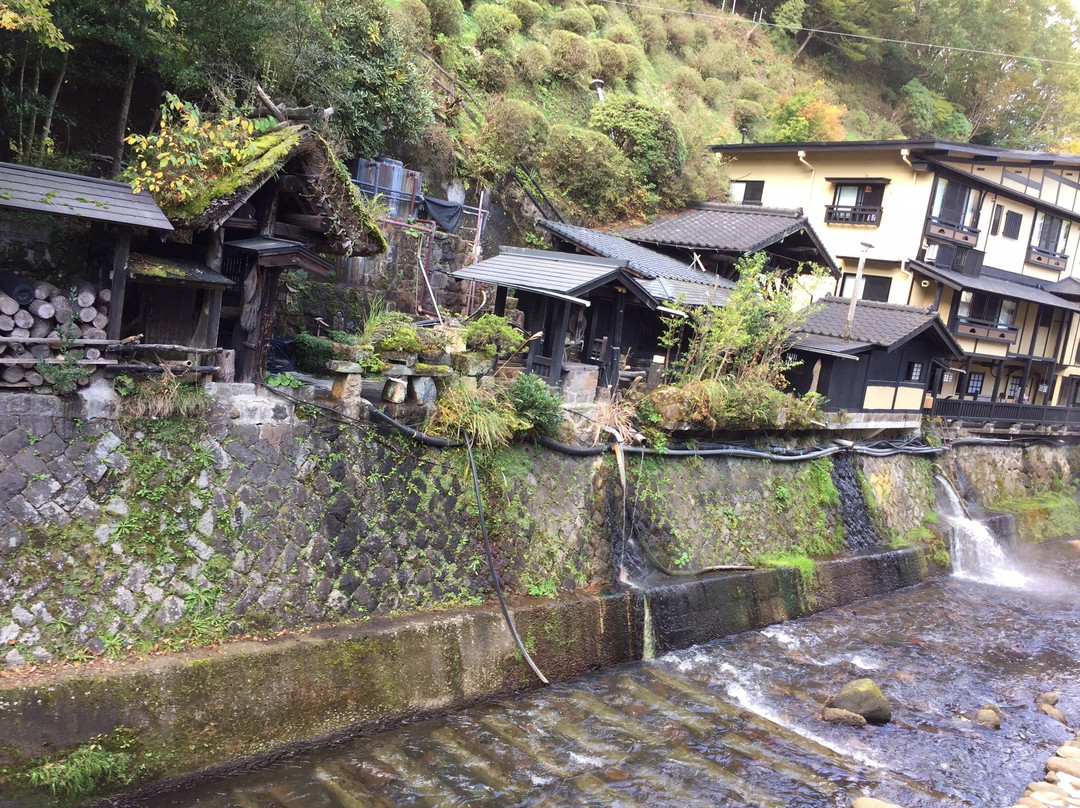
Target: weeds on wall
163 396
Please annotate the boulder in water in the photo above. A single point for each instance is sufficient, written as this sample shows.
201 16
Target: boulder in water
988 718
864 697
1054 713
837 716
870 802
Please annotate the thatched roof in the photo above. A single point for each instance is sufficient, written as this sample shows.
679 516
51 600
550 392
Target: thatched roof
303 152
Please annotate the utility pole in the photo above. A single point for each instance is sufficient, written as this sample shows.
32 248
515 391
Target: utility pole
855 289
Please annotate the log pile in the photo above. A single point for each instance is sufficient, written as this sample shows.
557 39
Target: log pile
48 335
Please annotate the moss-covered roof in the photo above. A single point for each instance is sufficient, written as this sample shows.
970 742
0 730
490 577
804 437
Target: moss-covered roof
154 268
353 232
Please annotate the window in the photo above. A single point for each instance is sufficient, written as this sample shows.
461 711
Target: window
986 308
1012 224
914 371
747 192
1014 387
1051 233
873 287
995 221
954 203
975 383
856 203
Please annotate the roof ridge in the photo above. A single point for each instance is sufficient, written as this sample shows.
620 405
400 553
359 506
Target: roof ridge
731 207
877 304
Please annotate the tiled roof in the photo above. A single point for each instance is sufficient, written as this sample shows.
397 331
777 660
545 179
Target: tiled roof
732 228
884 324
995 286
61 194
642 260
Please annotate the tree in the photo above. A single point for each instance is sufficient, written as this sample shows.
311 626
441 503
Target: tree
807 116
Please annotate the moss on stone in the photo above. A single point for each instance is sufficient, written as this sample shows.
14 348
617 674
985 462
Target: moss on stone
1048 515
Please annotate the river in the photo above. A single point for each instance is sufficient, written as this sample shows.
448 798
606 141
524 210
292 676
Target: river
736 722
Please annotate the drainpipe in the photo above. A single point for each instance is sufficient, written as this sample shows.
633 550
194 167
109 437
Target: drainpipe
905 155
855 288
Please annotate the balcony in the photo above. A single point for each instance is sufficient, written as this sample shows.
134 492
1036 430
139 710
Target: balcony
1004 413
990 332
853 214
959 234
1045 258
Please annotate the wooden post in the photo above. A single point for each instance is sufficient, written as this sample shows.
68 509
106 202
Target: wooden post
214 318
559 348
265 332
616 336
997 380
119 283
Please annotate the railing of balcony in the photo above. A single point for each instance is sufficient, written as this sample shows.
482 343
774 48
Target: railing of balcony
853 214
1005 412
956 233
1046 258
981 329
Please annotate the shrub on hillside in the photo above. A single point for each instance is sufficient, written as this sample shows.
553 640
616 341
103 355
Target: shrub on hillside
494 25
576 20
528 11
600 15
635 59
611 63
624 34
446 16
748 113
715 93
571 57
653 33
688 81
754 90
591 171
683 34
534 63
414 20
495 73
645 133
720 59
514 132
536 403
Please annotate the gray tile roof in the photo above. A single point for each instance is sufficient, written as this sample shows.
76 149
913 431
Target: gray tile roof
648 263
43 191
730 228
1069 287
994 286
550 273
886 325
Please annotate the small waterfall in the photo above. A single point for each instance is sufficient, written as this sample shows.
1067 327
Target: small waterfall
976 554
859 529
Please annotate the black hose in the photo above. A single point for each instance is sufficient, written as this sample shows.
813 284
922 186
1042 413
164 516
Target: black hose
491 563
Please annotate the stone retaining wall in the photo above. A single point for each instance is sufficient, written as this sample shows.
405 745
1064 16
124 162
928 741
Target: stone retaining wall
119 537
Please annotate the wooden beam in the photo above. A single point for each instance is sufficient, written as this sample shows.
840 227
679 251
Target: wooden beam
314 222
121 250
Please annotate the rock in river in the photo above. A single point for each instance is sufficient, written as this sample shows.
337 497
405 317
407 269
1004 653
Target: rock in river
864 697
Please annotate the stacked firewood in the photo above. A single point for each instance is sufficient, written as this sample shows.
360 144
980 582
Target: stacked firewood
44 329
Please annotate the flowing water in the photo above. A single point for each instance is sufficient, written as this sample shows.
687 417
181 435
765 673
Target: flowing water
736 722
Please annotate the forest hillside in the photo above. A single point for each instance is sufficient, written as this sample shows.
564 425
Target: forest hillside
608 106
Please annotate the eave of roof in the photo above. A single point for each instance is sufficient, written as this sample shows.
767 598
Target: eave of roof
915 147
991 285
57 193
155 269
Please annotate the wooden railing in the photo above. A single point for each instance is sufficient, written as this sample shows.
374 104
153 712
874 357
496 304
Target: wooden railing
853 214
1005 412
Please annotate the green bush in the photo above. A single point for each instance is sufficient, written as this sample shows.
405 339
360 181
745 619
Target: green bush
528 11
571 57
514 132
495 74
624 34
85 770
635 59
446 16
534 62
748 113
312 353
536 403
404 340
414 20
645 134
720 59
494 25
492 335
590 171
600 15
575 20
653 33
682 33
485 414
688 82
611 62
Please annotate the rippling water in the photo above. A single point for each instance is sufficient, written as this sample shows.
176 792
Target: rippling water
735 722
